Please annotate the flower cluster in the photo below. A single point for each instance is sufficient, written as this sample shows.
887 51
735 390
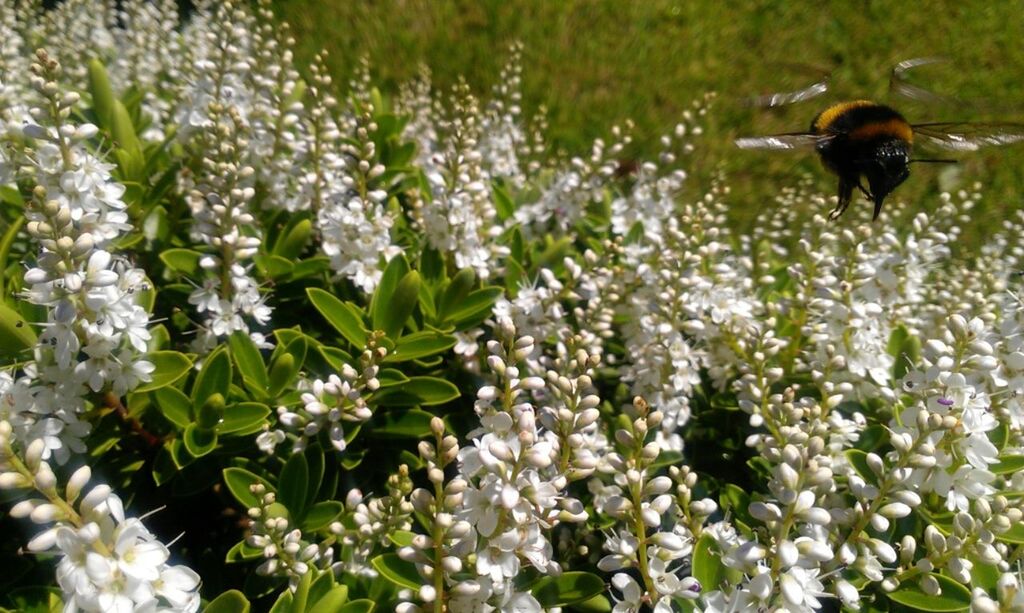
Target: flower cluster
504 379
97 318
107 561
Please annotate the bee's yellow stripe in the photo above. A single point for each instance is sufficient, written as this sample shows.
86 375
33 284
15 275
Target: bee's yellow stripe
891 127
833 112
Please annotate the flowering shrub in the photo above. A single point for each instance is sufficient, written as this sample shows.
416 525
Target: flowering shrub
346 353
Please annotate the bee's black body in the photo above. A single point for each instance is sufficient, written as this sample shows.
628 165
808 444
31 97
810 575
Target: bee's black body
862 139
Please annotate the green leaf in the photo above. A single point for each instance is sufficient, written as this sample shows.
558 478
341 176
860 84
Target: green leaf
199 441
475 308
401 538
391 376
291 245
424 391
984 575
310 266
503 204
905 348
283 604
16 334
420 344
238 481
460 286
735 499
300 598
323 584
123 131
397 268
707 563
321 514
174 405
858 459
316 463
332 601
102 93
344 317
243 418
398 571
412 423
666 458
363 605
274 266
566 589
515 274
214 377
1014 535
35 599
954 596
401 305
170 366
1008 464
155 226
290 357
210 414
231 601
249 362
281 373
7 241
242 552
597 604
185 261
293 483
431 265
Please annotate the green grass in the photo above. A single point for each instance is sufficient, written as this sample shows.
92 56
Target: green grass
594 63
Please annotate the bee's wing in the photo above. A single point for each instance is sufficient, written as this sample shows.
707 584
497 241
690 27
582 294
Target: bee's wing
793 140
900 85
817 88
969 136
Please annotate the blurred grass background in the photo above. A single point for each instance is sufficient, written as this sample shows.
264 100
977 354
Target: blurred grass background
594 63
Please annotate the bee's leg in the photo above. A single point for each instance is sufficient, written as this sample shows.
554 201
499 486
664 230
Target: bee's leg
845 195
864 190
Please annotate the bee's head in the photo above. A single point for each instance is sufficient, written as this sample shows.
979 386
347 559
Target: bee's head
886 169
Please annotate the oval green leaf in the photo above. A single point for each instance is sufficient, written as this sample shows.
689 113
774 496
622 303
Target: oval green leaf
419 345
398 571
185 261
321 514
174 405
243 418
566 589
363 605
249 361
707 563
954 596
342 316
16 334
292 484
401 305
170 366
424 391
199 441
239 480
214 377
231 601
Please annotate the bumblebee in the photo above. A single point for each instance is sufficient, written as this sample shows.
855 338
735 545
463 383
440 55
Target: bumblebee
861 139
